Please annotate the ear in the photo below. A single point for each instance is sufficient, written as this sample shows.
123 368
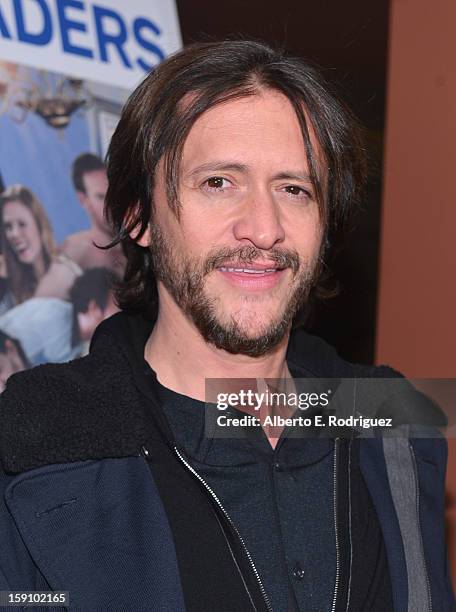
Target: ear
81 197
145 239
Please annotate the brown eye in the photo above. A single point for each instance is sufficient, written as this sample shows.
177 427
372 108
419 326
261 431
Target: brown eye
215 182
294 190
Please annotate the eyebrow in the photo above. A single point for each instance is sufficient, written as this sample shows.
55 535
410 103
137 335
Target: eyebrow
290 174
244 169
215 166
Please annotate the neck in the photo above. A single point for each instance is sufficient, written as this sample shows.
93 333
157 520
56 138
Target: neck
39 267
183 360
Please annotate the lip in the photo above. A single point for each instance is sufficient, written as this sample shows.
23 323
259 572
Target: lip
253 277
257 265
21 250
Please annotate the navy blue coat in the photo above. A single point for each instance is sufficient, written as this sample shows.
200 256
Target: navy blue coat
81 510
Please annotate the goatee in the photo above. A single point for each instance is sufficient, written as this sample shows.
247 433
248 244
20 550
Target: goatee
185 281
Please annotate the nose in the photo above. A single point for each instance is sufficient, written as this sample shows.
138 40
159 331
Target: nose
13 231
259 222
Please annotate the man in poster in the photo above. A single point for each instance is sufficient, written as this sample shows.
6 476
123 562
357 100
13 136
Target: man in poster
90 183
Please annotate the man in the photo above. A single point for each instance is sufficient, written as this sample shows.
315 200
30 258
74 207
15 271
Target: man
230 171
54 330
90 183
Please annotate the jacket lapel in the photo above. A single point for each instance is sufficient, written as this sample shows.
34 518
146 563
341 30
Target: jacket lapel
98 530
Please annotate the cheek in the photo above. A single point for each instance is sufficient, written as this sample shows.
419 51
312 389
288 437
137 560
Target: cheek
202 231
305 237
35 237
314 239
183 235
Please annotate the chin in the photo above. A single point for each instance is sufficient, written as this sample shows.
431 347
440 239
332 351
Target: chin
253 332
254 321
248 327
252 342
254 326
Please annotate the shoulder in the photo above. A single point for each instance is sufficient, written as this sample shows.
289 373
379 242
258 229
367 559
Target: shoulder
318 358
62 267
58 280
379 389
84 409
64 262
75 240
75 245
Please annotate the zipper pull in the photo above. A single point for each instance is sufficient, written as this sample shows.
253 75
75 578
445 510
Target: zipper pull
144 452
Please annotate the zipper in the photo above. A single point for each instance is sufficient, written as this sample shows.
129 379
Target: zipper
349 524
418 513
225 513
336 529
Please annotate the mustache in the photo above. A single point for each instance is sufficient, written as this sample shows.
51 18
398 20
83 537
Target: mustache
283 258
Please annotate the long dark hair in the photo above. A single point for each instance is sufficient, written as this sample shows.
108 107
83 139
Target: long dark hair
154 125
22 278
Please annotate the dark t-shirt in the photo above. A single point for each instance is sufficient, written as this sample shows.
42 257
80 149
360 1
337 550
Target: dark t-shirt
282 502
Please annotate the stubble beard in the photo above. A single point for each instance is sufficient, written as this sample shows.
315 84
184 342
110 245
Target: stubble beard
185 281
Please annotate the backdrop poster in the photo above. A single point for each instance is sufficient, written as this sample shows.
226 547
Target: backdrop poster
66 69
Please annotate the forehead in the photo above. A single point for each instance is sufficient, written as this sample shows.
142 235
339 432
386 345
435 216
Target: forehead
259 130
15 208
95 178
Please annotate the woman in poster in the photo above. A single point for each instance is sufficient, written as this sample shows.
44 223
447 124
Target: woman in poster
31 266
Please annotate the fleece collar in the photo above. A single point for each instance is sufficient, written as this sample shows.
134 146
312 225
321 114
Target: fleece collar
103 405
89 408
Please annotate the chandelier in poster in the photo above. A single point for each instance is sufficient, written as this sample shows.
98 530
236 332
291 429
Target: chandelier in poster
66 69
110 41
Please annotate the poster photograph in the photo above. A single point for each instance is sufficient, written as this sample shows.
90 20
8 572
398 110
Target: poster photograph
66 69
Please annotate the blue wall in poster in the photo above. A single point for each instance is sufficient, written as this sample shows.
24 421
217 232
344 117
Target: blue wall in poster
40 157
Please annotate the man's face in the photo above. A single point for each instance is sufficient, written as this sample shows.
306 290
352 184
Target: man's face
241 258
96 185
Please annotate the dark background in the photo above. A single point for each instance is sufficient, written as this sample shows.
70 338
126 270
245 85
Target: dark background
348 41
